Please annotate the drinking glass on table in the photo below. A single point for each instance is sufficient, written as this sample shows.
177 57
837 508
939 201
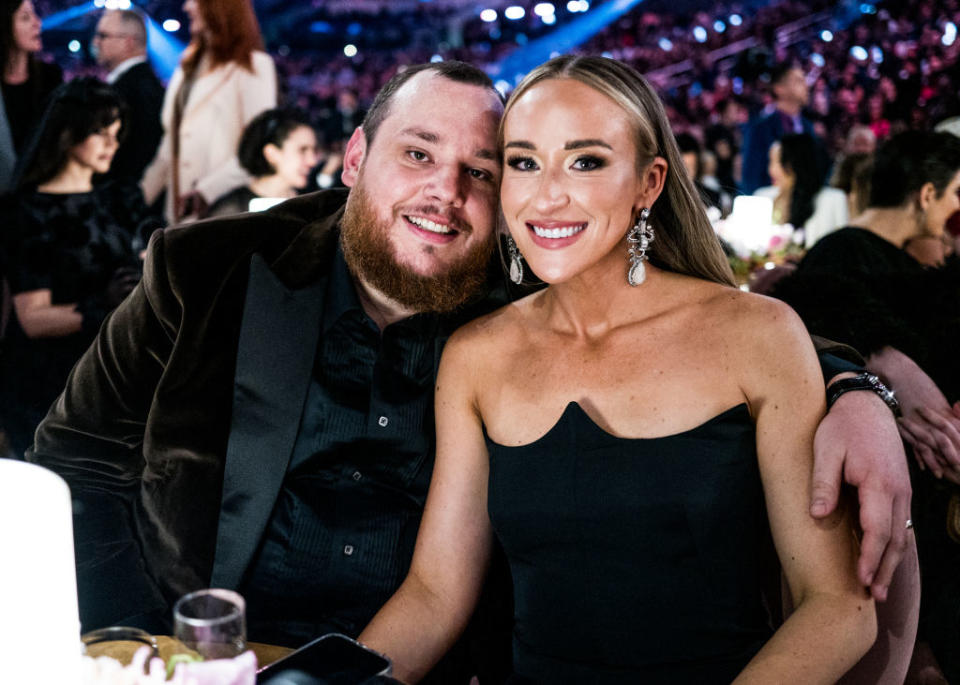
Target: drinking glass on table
211 622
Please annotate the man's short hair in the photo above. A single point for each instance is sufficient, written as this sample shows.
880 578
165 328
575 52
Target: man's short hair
910 160
134 24
780 71
460 72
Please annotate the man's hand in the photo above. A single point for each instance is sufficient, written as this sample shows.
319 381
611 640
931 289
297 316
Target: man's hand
857 442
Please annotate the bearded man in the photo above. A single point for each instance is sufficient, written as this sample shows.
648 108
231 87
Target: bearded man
257 415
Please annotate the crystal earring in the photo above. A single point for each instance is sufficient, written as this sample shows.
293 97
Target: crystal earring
638 240
516 261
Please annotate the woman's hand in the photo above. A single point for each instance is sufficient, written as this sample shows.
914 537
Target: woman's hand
193 204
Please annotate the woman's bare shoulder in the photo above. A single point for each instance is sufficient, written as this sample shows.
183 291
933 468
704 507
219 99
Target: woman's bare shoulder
498 328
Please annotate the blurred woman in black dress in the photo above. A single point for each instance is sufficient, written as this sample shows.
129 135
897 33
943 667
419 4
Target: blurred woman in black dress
68 249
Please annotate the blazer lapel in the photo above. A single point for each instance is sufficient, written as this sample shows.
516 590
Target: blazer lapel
278 339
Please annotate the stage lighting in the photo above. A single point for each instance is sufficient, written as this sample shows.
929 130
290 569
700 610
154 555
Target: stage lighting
735 20
826 36
350 50
171 25
488 15
73 46
514 12
949 33
544 9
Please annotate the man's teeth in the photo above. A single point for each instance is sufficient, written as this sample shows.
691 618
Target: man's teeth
564 232
428 225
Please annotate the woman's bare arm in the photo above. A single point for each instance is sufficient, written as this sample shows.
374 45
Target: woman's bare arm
835 622
39 318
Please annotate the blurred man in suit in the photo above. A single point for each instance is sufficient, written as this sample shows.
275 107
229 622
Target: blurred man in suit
120 43
791 94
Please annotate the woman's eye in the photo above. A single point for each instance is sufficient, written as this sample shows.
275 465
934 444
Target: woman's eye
588 163
521 163
417 155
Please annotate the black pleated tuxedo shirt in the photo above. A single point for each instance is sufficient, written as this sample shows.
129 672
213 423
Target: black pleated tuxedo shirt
342 532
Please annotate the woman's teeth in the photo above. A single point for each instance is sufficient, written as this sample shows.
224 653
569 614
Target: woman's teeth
564 232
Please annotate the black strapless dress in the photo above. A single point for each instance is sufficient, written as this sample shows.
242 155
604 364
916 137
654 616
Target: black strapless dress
633 560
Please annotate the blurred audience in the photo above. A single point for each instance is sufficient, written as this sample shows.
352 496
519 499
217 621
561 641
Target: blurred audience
25 81
223 81
852 176
798 192
278 149
859 286
68 246
791 93
120 45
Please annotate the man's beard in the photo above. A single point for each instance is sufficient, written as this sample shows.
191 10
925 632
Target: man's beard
371 258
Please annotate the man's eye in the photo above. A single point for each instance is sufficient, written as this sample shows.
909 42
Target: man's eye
522 163
480 174
588 163
417 155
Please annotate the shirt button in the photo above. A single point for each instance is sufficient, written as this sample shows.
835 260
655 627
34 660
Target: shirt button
348 550
383 421
356 475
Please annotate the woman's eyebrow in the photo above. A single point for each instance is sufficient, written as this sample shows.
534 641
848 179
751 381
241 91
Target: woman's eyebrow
586 142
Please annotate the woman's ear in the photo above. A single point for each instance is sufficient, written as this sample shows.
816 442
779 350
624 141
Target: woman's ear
653 178
353 157
271 153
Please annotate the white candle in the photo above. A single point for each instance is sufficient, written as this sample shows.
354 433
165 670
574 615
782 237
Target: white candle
39 619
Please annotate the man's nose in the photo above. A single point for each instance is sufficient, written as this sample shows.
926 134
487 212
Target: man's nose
447 185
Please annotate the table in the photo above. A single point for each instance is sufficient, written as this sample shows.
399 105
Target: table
168 646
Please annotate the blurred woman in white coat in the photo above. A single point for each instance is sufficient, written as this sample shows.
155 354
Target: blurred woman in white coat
224 80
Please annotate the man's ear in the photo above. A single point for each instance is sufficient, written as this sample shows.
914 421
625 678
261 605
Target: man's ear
353 157
927 194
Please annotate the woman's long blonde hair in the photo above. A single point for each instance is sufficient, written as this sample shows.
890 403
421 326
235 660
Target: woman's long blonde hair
685 241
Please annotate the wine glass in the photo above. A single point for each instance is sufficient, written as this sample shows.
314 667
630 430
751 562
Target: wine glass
211 622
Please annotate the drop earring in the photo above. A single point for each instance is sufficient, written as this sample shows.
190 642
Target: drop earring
638 240
516 261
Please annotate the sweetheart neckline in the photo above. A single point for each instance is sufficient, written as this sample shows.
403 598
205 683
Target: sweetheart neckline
574 404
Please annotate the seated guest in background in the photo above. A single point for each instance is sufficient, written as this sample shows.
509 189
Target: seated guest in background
559 436
68 248
852 176
278 149
258 414
120 46
799 196
858 285
692 155
25 81
223 81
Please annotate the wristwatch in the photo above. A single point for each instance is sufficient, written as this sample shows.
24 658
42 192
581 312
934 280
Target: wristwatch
863 381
